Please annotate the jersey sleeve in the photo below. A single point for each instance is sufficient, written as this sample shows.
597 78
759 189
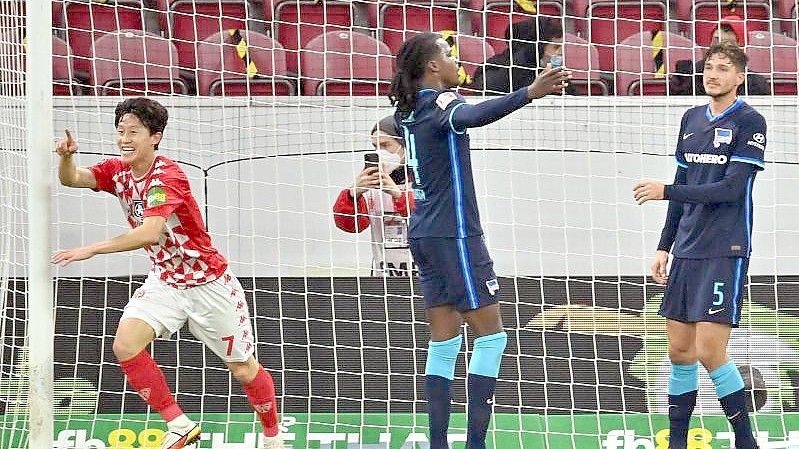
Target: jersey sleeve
446 104
750 143
104 172
164 196
678 153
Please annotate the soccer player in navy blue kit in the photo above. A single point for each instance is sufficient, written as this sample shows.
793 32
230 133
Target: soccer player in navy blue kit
455 271
708 229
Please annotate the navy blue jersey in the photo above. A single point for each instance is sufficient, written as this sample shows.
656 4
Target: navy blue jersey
443 188
707 148
437 148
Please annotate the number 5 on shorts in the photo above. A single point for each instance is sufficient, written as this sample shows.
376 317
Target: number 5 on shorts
229 340
718 292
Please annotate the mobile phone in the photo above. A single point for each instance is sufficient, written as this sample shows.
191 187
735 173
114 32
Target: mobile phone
371 160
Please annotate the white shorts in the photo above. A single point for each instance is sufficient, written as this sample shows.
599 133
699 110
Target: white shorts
217 313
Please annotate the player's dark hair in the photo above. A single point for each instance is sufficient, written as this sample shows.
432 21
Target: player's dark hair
412 61
152 114
732 51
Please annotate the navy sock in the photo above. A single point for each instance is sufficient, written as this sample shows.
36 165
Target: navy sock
683 385
437 389
737 412
681 406
481 404
730 390
439 371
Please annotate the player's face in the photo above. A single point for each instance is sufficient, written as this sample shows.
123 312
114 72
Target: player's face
134 140
447 65
721 77
391 144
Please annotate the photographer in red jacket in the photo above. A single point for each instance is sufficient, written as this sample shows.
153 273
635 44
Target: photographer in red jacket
381 199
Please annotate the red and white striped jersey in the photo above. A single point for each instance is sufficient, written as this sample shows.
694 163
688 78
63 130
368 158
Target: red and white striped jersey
184 255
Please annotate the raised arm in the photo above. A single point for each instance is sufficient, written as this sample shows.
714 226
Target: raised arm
69 173
463 115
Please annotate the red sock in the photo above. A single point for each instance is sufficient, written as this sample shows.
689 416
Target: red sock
261 392
148 380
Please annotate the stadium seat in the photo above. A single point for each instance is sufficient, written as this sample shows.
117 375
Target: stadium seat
494 17
87 21
400 21
346 63
297 22
191 21
774 55
610 22
473 52
62 67
222 71
786 15
12 77
583 60
133 62
636 71
702 17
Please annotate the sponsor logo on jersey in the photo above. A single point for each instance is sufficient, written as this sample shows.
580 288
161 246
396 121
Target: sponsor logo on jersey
723 135
705 158
138 209
759 138
156 197
445 98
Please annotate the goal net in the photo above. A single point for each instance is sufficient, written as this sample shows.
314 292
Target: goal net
271 106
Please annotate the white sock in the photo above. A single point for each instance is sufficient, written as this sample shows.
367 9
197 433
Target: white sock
180 424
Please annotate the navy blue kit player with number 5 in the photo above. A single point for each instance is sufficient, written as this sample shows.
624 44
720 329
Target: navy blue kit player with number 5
708 230
455 271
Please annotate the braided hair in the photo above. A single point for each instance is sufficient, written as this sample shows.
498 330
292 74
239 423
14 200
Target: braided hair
412 61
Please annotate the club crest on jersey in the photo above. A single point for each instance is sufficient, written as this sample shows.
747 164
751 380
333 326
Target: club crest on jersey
156 197
138 209
723 135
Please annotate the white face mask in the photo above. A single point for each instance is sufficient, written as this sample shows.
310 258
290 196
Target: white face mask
390 161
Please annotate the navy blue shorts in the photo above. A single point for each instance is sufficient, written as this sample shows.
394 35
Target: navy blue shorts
455 271
705 290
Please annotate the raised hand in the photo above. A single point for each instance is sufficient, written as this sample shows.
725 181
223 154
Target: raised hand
66 146
550 81
368 179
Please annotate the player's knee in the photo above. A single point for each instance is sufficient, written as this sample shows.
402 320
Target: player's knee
244 372
125 348
682 355
710 357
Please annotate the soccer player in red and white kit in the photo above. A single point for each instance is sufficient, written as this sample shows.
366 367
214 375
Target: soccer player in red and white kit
189 279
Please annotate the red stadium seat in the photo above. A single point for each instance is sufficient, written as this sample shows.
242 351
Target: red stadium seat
221 71
702 17
62 68
12 77
400 21
610 22
132 62
191 21
473 52
299 21
786 14
87 21
495 17
774 56
636 72
346 63
583 60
